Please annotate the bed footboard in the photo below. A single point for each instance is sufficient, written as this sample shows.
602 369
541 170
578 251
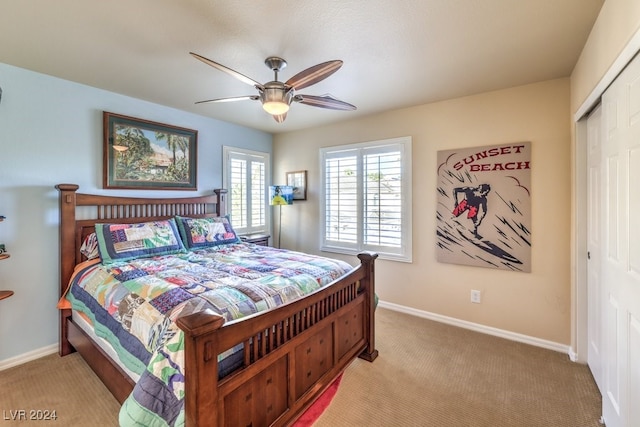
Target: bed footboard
291 354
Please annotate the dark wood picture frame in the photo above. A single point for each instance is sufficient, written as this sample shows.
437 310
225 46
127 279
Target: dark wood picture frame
141 154
298 180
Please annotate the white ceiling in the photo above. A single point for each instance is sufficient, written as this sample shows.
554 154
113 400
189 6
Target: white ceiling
396 53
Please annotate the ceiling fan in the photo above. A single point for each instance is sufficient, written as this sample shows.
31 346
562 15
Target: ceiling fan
276 96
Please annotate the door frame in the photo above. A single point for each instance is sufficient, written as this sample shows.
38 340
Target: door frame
579 321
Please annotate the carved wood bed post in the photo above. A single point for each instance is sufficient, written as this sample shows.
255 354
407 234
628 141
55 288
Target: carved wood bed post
221 206
67 250
367 259
201 356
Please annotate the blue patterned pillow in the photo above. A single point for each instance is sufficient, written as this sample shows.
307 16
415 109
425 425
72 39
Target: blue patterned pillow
123 242
206 232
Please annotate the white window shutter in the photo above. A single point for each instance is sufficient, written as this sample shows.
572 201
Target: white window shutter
366 199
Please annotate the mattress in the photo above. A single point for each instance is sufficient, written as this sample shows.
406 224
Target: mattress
81 321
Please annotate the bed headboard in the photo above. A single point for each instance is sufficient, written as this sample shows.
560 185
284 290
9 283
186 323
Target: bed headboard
80 212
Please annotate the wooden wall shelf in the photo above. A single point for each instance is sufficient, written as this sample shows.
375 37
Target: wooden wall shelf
4 294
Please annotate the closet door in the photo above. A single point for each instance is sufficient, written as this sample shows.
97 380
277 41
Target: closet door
594 219
620 251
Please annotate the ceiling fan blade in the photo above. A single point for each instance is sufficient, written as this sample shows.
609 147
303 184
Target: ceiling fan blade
227 70
233 99
324 102
280 117
313 75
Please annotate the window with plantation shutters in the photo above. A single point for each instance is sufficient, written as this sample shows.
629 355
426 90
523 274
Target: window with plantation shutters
366 203
245 179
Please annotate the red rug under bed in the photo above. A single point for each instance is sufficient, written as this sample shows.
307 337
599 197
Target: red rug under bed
311 415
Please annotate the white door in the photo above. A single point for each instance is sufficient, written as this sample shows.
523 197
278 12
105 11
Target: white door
594 208
620 249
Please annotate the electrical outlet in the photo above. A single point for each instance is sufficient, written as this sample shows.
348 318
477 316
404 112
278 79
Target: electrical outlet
475 296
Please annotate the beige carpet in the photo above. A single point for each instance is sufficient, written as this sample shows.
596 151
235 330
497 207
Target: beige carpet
432 374
65 385
427 374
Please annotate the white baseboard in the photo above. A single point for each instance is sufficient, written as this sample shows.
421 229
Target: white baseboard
27 357
550 345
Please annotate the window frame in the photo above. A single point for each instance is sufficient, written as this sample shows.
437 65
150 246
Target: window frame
405 252
228 153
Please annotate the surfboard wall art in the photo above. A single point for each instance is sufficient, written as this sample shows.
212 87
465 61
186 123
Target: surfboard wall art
484 206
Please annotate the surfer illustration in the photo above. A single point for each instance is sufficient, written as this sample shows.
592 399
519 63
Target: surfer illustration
474 203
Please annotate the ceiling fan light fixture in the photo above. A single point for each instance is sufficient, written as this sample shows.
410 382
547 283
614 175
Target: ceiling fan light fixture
275 108
276 100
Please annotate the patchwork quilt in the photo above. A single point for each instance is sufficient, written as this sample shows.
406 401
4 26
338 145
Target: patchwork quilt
133 304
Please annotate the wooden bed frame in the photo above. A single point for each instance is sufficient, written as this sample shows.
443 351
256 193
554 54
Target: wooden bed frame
301 347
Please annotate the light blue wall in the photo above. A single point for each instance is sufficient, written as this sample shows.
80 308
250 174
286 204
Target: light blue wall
50 133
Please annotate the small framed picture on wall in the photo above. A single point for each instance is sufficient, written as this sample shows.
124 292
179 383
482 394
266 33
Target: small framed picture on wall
298 180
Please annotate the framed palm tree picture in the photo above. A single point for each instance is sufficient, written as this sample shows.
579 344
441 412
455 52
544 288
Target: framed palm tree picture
141 154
